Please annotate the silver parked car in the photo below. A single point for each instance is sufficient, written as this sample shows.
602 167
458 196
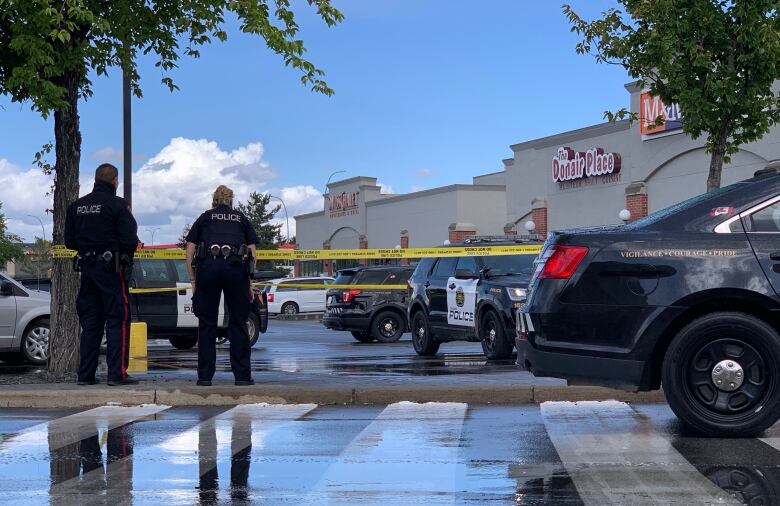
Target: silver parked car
24 322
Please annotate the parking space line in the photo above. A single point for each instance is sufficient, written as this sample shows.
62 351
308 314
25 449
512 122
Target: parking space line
614 457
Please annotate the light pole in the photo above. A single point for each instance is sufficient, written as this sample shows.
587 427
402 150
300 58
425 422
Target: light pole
331 175
43 230
152 231
286 216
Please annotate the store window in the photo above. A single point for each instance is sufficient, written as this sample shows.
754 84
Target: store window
311 268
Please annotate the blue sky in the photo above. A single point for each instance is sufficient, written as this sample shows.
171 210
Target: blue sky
428 93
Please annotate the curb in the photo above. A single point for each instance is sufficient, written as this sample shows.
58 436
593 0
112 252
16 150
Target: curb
59 396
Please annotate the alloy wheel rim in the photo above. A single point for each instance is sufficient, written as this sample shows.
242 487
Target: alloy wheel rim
37 343
490 338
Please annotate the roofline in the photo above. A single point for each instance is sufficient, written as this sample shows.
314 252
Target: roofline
573 135
435 191
309 215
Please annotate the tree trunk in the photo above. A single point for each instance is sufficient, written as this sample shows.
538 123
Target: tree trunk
718 154
64 342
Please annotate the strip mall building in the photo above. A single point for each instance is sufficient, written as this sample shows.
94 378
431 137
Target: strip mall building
582 177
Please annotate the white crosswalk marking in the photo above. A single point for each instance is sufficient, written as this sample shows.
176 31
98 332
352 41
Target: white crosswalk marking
24 455
613 458
67 430
409 449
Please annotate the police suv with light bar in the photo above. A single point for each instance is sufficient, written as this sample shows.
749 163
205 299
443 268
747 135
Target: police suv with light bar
686 298
470 298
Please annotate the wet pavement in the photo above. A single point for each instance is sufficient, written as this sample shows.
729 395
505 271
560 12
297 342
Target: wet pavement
591 453
308 347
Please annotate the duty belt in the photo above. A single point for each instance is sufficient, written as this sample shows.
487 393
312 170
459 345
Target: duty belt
106 256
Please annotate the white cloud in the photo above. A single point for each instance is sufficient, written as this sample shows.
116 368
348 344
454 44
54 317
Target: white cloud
170 190
417 188
108 154
424 172
385 188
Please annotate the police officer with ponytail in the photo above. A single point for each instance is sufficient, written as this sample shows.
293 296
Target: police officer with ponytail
101 228
222 242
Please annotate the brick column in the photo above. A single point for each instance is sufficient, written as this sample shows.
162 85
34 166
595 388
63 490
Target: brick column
636 200
510 229
327 264
539 216
363 244
458 232
404 245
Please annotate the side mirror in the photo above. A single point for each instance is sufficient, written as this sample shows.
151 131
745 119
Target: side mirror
6 288
465 274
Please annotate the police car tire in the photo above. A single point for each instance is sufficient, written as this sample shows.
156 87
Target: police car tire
501 348
763 342
290 308
385 316
425 345
363 337
256 322
183 342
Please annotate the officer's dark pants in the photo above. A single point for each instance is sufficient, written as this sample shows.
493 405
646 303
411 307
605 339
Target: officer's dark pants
215 276
103 304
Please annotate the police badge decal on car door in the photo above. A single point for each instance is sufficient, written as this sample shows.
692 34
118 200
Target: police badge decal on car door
461 301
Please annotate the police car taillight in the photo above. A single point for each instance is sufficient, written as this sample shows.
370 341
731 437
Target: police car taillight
270 297
350 294
563 262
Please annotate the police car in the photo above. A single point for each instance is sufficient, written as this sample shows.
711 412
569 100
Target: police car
168 314
686 298
470 298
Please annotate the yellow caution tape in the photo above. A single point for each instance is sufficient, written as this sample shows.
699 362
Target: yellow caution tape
286 285
344 254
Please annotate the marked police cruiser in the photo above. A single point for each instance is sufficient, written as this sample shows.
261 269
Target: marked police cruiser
470 298
169 314
686 298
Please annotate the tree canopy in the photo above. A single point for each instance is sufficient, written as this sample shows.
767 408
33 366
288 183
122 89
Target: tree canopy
42 40
716 59
260 216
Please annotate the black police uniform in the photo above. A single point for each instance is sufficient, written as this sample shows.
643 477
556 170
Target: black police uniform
100 225
214 275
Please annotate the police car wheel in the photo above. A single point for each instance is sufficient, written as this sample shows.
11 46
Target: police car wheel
363 337
495 345
290 308
387 327
422 339
721 375
35 342
253 327
183 342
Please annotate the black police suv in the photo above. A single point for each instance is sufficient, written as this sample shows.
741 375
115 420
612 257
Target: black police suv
168 314
470 298
369 314
686 298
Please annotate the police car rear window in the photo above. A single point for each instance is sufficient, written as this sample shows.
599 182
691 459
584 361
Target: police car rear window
509 264
344 278
372 277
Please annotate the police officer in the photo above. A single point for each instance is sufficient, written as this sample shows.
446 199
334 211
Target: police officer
102 229
224 240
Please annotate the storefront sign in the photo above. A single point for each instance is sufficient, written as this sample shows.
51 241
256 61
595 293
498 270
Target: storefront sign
650 108
345 204
568 164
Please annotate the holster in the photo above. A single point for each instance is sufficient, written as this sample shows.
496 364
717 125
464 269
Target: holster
77 263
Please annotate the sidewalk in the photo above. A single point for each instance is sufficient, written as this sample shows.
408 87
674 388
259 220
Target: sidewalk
179 389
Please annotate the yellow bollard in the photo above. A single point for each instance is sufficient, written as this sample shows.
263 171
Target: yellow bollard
138 351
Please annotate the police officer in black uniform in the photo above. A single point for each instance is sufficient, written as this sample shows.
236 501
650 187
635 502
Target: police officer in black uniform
102 229
222 240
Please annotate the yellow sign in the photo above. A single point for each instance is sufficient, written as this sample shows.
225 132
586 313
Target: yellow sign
346 254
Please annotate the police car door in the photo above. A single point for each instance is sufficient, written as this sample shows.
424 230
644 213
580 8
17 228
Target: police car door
185 319
462 294
763 231
157 309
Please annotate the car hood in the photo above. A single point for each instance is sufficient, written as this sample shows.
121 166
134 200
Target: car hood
39 296
518 280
